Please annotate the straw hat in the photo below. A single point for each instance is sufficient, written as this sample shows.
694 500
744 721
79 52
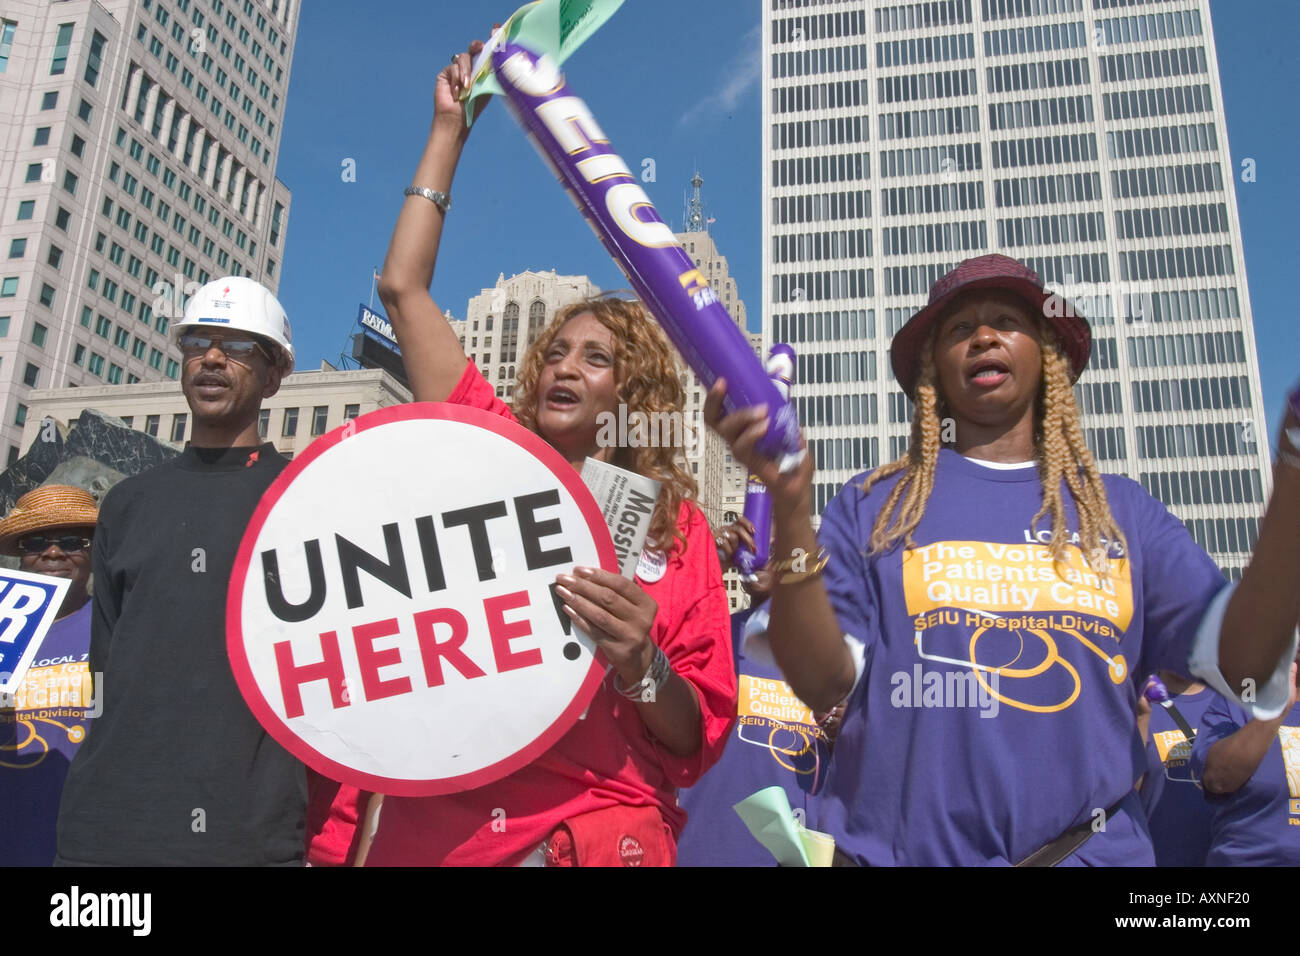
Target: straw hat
50 506
989 272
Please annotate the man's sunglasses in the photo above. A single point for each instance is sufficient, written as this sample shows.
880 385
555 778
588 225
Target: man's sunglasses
38 543
193 346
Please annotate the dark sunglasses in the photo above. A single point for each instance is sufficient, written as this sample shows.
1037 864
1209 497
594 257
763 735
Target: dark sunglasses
38 543
193 346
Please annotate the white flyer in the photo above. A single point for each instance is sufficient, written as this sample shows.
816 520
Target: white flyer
627 501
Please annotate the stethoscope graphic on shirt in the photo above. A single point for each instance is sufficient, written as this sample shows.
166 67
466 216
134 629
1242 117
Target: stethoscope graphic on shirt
28 707
794 740
786 740
75 733
1116 665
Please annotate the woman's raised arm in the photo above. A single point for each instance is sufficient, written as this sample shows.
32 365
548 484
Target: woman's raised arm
431 352
1261 616
803 631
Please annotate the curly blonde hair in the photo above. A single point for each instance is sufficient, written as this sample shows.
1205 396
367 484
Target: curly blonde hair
1059 451
648 383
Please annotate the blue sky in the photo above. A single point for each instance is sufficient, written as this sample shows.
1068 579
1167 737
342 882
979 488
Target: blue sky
672 81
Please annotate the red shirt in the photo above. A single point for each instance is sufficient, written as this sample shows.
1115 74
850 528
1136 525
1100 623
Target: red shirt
608 758
334 816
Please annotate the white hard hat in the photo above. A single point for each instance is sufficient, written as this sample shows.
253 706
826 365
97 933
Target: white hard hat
238 302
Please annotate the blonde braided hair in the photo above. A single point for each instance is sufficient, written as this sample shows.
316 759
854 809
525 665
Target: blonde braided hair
912 491
1059 450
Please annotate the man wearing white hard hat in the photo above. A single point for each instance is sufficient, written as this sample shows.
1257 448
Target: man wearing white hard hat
177 771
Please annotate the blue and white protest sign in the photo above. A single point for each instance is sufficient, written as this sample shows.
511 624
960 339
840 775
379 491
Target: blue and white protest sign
28 605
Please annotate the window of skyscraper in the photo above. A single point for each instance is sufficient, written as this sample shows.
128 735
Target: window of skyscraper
7 28
62 41
95 58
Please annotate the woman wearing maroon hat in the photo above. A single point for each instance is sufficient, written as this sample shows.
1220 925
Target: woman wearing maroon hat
984 602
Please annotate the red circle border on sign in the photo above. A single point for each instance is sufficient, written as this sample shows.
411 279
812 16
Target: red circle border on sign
252 692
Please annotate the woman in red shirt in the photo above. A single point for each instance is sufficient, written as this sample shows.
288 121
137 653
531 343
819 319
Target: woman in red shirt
606 793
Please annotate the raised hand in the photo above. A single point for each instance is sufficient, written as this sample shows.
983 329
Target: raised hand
452 82
731 536
792 491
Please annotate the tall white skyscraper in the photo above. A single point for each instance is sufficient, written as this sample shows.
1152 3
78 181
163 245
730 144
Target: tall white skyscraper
1085 138
138 142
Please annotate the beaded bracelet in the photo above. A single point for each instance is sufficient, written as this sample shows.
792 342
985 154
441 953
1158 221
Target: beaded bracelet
658 672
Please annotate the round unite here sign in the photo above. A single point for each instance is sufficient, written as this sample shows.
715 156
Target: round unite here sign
391 619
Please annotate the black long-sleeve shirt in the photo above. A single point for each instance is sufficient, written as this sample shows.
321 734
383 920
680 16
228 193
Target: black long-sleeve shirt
177 771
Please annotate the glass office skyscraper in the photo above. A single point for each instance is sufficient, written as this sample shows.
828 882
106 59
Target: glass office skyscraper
140 145
1085 138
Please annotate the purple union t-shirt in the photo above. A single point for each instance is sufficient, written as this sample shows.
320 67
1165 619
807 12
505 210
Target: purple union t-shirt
1177 813
997 706
39 735
1259 823
775 743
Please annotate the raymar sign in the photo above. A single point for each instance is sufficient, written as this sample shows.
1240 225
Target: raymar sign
407 639
377 327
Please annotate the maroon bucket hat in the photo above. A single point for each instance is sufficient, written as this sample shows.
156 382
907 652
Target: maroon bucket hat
990 272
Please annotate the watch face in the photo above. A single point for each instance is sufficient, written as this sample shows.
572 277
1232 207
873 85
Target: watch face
1294 400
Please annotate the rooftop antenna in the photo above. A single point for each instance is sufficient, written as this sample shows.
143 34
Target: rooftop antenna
346 361
695 221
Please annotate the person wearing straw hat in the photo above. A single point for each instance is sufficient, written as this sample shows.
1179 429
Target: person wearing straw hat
178 771
992 562
42 726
